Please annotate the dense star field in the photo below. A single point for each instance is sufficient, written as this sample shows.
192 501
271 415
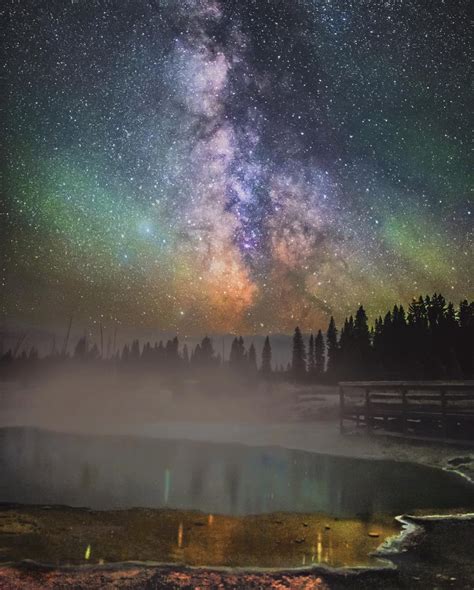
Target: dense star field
233 165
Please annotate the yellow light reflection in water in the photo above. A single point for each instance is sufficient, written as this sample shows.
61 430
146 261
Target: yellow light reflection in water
320 547
192 538
180 535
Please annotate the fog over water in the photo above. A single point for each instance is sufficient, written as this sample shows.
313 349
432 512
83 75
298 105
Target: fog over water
41 467
170 443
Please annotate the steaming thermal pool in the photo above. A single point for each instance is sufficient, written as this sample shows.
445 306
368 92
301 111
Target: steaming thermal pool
177 501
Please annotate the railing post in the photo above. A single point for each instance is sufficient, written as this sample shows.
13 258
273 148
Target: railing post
404 411
368 411
341 409
444 417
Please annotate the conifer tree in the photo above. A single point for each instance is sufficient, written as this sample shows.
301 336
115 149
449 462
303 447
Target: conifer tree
160 354
298 365
361 352
319 354
146 352
135 351
252 359
332 345
125 354
311 356
361 329
242 353
234 358
266 366
185 354
417 316
347 348
172 354
237 354
196 355
207 352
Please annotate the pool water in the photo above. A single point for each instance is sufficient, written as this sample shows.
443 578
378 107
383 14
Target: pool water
103 473
177 501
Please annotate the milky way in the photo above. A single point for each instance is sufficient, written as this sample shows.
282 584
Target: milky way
209 166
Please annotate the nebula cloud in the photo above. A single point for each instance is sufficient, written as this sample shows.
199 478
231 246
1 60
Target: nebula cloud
213 166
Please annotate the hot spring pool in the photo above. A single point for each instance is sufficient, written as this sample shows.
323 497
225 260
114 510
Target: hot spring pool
178 501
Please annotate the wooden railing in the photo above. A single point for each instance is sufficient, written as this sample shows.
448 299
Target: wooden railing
439 409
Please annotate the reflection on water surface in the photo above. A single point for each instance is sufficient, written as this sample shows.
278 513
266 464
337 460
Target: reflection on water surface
60 535
202 503
40 467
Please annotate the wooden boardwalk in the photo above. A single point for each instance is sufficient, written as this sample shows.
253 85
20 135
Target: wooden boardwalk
442 410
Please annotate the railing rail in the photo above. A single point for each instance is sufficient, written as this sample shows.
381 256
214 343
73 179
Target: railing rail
440 409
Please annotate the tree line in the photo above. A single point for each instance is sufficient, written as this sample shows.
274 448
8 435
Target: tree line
431 340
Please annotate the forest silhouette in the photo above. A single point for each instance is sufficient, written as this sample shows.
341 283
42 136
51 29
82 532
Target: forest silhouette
431 340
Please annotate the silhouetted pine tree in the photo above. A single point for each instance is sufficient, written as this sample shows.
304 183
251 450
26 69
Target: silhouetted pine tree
147 353
266 366
298 364
196 356
185 354
361 329
417 316
332 349
438 352
319 354
387 345
234 353
171 355
242 352
237 357
252 359
377 346
135 351
160 354
361 344
311 356
398 344
436 310
417 341
448 333
125 354
347 355
207 352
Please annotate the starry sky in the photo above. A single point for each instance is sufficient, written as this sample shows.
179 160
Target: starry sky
233 165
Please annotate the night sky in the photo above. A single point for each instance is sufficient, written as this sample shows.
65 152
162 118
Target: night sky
218 166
